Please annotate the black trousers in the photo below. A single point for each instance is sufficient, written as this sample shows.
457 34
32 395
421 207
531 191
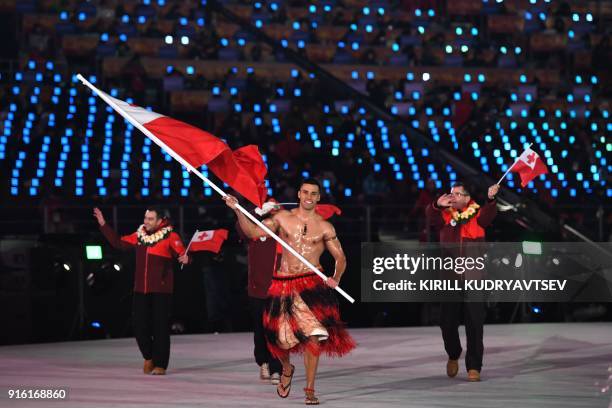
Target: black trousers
151 321
261 352
473 314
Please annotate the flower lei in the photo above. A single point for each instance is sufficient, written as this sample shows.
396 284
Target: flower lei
464 216
152 239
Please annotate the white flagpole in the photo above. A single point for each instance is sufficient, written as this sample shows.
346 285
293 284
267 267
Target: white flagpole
189 245
195 171
510 168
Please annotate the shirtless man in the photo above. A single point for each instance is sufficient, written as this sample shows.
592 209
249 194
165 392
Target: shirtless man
302 314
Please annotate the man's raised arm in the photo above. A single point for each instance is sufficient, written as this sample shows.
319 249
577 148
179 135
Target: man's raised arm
248 227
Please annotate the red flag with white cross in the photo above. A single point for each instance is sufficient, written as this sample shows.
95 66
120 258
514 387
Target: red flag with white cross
208 240
529 165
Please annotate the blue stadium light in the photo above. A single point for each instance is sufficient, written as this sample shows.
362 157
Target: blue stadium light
296 25
503 49
185 40
421 29
464 48
575 17
418 12
258 23
449 49
542 16
589 17
284 43
355 46
459 31
125 19
467 78
190 70
274 6
224 42
301 44
517 50
183 21
200 21
474 31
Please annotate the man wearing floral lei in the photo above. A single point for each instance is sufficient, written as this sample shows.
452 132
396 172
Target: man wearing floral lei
461 220
156 245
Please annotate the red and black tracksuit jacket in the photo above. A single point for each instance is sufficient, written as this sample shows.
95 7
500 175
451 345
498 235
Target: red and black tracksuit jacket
154 264
453 238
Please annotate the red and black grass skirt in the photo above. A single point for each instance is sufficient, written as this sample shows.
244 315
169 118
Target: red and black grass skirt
301 306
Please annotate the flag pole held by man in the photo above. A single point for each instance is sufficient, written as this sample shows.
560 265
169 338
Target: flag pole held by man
243 169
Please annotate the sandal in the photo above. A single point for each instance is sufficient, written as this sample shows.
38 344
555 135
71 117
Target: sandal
285 388
310 397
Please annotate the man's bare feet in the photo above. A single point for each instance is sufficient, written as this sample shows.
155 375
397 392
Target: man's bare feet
284 387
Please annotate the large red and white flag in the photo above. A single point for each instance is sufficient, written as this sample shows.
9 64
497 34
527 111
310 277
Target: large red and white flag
243 169
208 240
529 166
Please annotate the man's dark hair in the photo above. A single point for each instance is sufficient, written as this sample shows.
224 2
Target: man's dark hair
159 211
465 187
313 181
